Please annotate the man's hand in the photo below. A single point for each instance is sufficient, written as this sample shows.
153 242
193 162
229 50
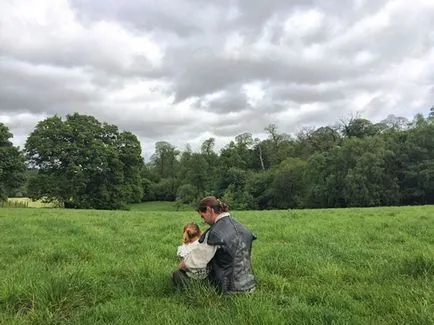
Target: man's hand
182 266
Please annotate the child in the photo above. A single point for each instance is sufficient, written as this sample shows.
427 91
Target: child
190 238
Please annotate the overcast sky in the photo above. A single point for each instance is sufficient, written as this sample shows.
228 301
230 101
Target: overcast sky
186 70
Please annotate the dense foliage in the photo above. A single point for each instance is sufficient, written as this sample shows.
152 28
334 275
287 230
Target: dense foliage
357 163
12 166
87 164
84 163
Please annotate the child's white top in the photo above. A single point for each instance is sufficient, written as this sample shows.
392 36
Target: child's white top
185 249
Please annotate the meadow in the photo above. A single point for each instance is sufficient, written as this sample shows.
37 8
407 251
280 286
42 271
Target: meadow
334 266
25 202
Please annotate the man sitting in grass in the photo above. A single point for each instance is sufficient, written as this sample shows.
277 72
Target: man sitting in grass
225 248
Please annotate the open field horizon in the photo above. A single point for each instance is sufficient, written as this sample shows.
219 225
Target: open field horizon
340 266
26 202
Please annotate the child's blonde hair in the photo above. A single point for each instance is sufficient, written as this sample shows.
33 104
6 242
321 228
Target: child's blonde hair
191 232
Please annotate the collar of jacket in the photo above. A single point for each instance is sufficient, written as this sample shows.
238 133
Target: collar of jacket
221 215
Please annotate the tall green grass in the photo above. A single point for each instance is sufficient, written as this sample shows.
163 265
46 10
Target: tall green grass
348 266
160 206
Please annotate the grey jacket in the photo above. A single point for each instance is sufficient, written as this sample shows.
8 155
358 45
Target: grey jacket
230 268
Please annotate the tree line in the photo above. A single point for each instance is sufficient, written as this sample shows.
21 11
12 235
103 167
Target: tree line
83 163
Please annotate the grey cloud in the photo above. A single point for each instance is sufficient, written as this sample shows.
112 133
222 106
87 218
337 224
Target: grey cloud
21 123
396 40
150 129
183 17
301 93
254 14
206 75
327 115
63 75
250 121
145 15
374 107
233 100
82 54
198 74
42 90
348 11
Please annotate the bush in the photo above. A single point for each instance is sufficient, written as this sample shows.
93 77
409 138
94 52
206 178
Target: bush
186 194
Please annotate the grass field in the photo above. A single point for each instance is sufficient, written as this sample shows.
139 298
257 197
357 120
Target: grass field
25 202
28 203
160 206
347 266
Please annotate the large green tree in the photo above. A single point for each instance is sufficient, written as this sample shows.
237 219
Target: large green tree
358 173
277 147
165 159
418 163
130 155
287 189
84 163
12 166
165 165
360 127
311 141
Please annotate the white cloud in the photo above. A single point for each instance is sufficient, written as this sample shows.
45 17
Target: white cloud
303 23
364 57
188 70
49 32
254 92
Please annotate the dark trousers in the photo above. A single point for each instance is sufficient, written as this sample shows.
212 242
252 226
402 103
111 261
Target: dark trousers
180 279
